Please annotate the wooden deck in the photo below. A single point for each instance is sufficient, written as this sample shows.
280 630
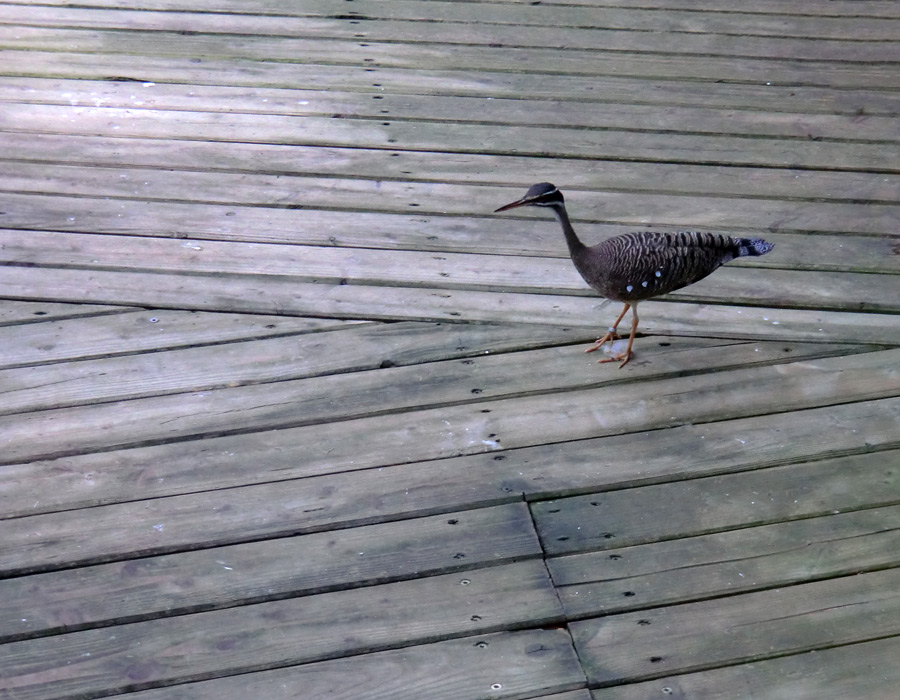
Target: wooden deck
287 412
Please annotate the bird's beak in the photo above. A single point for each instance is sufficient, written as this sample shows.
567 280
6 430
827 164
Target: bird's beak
512 205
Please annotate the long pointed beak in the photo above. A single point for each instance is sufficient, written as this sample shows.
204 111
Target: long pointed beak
512 205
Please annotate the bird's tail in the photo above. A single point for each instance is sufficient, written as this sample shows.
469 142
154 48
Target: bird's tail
752 246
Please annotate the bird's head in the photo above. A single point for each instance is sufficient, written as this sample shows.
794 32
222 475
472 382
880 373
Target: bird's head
542 194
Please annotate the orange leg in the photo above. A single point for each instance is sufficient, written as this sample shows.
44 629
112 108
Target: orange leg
611 334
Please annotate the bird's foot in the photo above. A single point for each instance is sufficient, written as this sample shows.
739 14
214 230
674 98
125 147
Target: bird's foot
610 336
624 357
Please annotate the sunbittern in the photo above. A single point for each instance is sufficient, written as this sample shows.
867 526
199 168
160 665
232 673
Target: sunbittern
637 266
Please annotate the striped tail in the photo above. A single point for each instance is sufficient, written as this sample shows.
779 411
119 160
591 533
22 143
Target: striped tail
752 246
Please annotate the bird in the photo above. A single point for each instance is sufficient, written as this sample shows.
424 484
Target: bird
636 266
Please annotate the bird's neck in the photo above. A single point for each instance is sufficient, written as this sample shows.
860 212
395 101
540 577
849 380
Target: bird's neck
576 247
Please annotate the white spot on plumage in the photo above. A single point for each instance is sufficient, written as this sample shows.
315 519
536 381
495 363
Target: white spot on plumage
628 288
659 273
644 284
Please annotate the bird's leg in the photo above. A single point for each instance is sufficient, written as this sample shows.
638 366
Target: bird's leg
627 355
611 333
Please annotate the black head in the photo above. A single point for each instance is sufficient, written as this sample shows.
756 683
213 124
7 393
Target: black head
542 194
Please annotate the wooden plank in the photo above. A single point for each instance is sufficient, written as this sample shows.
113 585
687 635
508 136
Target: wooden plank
833 8
521 111
19 313
388 483
94 535
735 629
307 193
827 8
672 21
387 231
329 403
454 137
267 295
697 506
351 52
549 470
223 577
734 561
353 349
757 95
549 35
281 633
322 162
526 664
866 670
353 266
217 403
118 334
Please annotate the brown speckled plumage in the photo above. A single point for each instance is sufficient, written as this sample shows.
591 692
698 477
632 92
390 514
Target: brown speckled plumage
638 266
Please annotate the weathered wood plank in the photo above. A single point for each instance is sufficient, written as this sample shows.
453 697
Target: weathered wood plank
354 266
267 295
688 508
449 13
19 313
526 664
549 470
521 111
481 58
705 149
260 571
833 8
548 35
280 633
217 403
827 8
93 535
866 670
389 483
730 562
735 629
327 404
428 232
130 332
187 483
353 349
321 162
782 98
433 198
